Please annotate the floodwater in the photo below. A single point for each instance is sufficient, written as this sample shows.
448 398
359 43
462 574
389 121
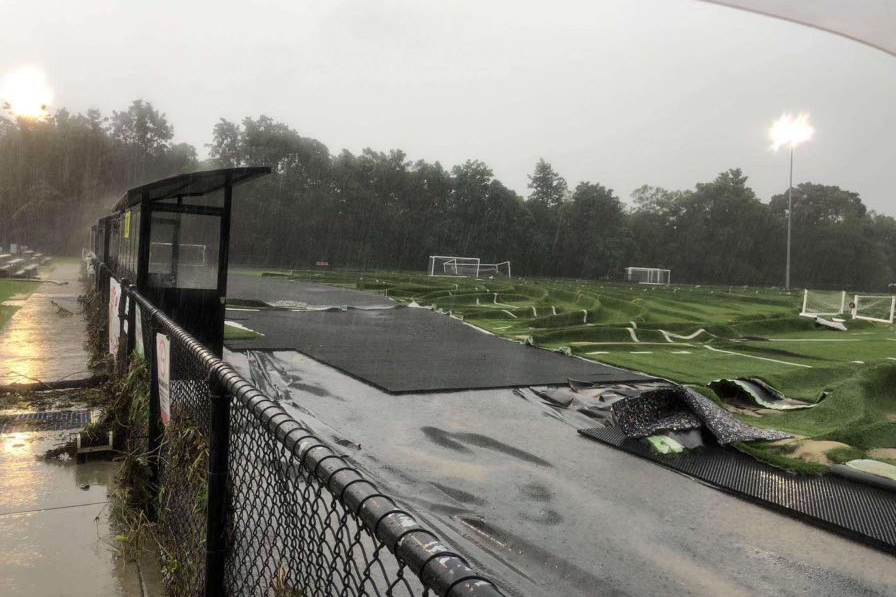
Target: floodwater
44 339
505 478
55 535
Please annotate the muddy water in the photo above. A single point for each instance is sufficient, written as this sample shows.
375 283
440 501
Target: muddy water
44 341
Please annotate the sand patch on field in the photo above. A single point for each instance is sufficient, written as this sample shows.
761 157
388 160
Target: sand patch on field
878 453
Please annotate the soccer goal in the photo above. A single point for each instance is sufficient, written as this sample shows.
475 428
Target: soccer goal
444 265
648 275
874 307
823 302
468 267
494 270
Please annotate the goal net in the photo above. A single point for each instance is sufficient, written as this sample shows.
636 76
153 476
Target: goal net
443 265
469 267
823 302
874 307
648 275
494 270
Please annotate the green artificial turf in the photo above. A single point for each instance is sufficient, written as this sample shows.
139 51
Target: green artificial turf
9 289
235 333
689 334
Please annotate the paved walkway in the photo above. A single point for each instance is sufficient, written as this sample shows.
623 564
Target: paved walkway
55 533
41 342
54 525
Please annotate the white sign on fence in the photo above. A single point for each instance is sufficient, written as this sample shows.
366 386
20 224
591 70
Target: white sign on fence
163 363
114 326
138 331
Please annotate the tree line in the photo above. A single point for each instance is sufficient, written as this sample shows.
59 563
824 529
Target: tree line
381 210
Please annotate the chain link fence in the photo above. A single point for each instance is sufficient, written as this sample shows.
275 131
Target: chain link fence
250 502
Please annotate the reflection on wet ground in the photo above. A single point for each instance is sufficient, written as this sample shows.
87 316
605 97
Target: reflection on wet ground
54 523
547 512
42 341
55 534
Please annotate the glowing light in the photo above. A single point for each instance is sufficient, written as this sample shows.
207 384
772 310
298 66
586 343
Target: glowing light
790 131
26 92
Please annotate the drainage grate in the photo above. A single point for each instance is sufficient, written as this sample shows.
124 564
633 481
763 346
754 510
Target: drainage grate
44 421
859 511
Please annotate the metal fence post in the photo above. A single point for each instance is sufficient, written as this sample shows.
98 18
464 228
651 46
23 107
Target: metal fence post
216 521
154 422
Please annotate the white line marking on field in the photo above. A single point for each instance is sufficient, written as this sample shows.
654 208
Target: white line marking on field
534 312
599 352
634 325
669 335
509 313
891 358
631 332
750 356
640 352
858 362
813 340
681 352
554 310
585 316
501 304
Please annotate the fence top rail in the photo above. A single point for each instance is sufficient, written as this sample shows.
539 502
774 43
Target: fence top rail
439 569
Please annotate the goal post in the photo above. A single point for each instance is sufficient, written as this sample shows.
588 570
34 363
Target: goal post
494 270
823 302
878 308
466 267
447 265
648 275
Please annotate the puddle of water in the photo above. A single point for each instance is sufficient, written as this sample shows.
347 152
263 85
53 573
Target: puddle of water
54 523
41 342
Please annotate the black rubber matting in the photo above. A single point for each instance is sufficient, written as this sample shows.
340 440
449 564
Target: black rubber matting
859 511
273 290
416 350
44 421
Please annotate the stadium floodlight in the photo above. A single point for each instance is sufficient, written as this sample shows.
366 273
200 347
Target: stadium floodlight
791 131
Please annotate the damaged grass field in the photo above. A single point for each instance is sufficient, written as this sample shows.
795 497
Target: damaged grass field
692 335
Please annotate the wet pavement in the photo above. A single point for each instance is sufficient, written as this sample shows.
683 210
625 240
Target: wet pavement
278 291
44 339
414 350
55 533
505 478
508 481
55 536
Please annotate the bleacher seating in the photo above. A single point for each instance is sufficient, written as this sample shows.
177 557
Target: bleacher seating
23 264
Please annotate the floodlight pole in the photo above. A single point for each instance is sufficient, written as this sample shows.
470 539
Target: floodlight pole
789 216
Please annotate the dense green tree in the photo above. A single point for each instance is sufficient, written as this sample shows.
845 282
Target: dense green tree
595 237
378 209
60 173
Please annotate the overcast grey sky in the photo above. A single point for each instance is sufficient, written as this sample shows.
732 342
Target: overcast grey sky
621 92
